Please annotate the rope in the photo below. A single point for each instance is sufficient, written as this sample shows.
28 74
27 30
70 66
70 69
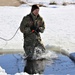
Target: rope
11 37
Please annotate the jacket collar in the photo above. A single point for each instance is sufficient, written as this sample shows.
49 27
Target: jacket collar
34 17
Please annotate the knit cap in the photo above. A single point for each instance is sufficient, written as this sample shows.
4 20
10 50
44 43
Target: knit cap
34 7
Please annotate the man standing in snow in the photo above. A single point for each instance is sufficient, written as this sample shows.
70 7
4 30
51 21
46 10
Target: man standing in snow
31 26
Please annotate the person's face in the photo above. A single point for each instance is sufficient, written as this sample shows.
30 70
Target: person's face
36 12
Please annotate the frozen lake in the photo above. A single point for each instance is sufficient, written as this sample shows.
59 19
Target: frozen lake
59 36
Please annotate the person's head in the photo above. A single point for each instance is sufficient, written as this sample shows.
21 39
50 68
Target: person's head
35 9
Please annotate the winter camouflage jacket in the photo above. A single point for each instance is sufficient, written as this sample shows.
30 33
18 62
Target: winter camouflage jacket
31 26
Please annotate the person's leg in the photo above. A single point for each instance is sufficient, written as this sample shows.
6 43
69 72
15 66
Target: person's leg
29 52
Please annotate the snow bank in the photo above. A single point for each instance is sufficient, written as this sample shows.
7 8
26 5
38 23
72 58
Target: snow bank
48 1
2 71
21 73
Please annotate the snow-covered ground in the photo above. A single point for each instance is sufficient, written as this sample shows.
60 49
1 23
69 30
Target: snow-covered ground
49 1
59 21
59 34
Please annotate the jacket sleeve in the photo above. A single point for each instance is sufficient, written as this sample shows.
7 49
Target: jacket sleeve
42 26
24 27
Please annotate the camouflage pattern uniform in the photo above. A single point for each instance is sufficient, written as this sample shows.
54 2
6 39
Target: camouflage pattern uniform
31 29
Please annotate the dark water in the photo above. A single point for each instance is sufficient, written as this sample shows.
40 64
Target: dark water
35 66
15 64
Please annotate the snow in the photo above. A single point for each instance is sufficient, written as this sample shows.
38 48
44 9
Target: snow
48 1
59 30
58 35
2 71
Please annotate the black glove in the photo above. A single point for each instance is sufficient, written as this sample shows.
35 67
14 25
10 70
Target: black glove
36 29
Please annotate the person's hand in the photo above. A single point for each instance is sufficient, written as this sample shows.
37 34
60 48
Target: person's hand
41 29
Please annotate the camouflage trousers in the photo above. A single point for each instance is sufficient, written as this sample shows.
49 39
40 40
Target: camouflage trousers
29 48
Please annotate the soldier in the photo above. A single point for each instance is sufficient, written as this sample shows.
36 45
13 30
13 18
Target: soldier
31 25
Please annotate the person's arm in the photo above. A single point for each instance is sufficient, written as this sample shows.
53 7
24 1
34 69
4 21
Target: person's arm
24 26
41 26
